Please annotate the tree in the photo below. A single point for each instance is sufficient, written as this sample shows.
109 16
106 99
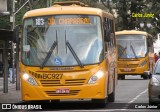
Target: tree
122 8
155 7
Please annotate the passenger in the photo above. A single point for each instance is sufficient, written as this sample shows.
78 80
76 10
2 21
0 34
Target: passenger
155 57
1 68
10 71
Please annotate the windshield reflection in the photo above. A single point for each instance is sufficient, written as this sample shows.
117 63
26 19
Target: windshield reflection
131 46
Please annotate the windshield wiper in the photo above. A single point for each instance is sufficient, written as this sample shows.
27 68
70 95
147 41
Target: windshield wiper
74 54
49 53
122 52
133 50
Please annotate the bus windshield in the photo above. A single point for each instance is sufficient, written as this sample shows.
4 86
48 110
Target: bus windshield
131 46
62 40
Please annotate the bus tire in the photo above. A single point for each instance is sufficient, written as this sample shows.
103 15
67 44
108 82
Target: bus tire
111 97
123 77
119 77
145 77
100 102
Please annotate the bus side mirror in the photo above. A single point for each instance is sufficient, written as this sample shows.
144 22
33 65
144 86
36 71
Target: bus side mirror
106 32
16 34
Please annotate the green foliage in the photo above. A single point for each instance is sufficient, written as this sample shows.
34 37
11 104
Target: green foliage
125 8
4 22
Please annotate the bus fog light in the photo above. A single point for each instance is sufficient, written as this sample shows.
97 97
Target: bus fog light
29 79
95 77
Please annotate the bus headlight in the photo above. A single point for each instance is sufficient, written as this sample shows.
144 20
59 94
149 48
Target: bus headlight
154 82
29 79
95 77
143 63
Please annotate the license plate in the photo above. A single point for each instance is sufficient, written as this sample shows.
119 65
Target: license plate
62 91
127 69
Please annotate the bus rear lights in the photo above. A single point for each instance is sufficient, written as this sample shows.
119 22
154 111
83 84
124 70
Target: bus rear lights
95 77
29 79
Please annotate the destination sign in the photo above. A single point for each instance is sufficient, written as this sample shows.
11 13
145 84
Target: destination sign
41 21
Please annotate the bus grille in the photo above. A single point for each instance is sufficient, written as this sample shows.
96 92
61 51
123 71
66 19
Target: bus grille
53 93
67 82
127 66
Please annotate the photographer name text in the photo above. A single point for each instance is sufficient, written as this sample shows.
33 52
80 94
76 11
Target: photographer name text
145 15
146 106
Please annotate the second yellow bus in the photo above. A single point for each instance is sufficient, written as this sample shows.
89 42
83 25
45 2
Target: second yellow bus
135 53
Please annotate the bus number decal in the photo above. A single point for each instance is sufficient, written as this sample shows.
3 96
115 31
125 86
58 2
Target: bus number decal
52 76
46 76
39 21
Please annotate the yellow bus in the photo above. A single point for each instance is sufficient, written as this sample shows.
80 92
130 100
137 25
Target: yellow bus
135 53
68 52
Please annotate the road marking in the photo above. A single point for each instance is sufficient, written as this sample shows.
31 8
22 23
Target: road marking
134 99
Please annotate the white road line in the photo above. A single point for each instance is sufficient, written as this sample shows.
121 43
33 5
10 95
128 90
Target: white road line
134 99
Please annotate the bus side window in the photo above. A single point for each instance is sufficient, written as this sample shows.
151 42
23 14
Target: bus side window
112 34
105 46
107 30
149 41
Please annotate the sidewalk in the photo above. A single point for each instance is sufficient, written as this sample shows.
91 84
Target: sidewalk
13 95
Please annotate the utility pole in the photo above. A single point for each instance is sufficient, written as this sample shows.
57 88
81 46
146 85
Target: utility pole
17 66
5 63
12 19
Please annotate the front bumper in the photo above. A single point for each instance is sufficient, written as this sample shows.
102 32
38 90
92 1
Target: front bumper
132 71
87 91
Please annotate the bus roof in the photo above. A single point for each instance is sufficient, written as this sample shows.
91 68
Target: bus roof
70 9
131 32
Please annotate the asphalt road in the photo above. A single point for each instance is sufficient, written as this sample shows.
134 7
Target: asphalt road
131 96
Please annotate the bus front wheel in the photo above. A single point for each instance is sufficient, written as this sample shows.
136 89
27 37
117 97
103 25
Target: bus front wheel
100 102
122 77
145 76
111 97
